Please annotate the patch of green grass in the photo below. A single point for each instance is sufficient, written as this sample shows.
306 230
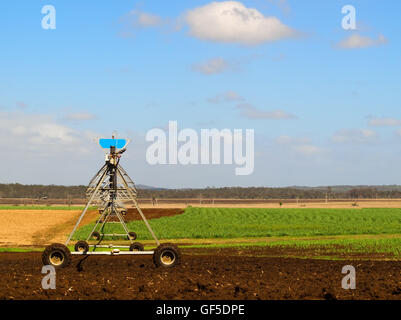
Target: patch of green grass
201 223
207 223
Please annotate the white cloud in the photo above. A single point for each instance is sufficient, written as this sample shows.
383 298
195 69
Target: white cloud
251 112
384 122
357 41
300 145
212 66
354 136
137 18
80 116
219 65
232 22
41 150
229 96
284 139
224 21
232 96
307 150
148 20
37 133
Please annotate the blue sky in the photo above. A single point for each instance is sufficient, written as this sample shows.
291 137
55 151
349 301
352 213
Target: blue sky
134 65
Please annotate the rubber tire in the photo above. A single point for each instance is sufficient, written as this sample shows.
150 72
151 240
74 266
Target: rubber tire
82 244
132 236
56 247
157 255
96 235
136 245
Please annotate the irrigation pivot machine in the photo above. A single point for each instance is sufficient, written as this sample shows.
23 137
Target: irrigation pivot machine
111 189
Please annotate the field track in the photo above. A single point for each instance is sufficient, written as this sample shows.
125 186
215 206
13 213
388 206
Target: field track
207 275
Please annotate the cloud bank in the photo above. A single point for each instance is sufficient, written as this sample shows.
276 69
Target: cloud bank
223 22
233 22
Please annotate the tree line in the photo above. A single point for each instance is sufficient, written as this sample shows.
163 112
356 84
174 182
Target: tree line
16 190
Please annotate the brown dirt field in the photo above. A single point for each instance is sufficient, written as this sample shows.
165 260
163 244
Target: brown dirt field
207 276
41 227
35 227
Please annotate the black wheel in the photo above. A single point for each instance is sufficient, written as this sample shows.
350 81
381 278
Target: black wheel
132 235
166 255
82 246
96 235
136 246
57 255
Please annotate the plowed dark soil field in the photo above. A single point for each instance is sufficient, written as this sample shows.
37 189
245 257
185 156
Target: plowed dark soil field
213 275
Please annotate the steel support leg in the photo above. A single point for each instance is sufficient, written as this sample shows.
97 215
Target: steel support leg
87 206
